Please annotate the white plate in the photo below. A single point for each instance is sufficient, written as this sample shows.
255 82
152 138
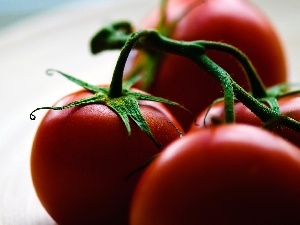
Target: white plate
60 39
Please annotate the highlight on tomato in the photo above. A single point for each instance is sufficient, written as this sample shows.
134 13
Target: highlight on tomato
228 174
236 22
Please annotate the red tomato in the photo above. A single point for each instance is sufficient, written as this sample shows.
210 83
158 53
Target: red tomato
235 22
226 175
81 158
289 106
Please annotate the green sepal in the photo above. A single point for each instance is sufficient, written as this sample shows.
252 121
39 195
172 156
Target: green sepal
276 92
126 106
98 97
285 89
79 82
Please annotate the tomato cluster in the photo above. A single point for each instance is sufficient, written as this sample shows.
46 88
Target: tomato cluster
116 155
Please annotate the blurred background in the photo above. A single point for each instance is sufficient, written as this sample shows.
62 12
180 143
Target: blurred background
15 10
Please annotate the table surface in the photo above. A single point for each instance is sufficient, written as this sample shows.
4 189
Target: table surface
59 39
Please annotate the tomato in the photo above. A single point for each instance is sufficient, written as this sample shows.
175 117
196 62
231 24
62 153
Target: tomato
82 158
235 22
289 105
231 174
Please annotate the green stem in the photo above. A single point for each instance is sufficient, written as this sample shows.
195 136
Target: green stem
196 52
256 85
265 113
227 83
190 51
116 35
153 40
163 15
115 89
262 111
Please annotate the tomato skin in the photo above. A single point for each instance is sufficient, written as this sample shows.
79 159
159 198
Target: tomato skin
234 22
226 175
81 157
289 105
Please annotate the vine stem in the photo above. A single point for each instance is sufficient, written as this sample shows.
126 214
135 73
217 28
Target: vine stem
227 83
115 89
257 87
153 40
195 51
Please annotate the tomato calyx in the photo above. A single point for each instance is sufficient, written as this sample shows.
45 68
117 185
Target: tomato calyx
282 90
126 105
